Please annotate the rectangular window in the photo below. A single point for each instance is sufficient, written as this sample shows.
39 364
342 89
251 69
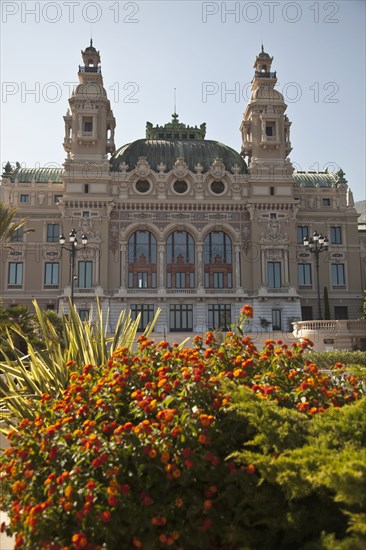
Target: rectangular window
338 275
51 274
276 319
24 198
146 312
17 236
219 316
180 280
269 130
87 125
218 280
304 274
181 317
274 274
340 312
336 235
53 232
15 274
326 202
57 198
142 281
83 314
85 274
302 231
307 313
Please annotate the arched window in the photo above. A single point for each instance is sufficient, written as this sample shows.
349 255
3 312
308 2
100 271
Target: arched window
180 260
142 266
218 260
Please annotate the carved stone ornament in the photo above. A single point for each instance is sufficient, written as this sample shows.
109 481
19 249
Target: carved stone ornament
217 168
123 167
161 168
198 168
235 169
273 232
142 167
180 167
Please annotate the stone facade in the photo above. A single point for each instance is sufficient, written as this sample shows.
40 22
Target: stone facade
180 222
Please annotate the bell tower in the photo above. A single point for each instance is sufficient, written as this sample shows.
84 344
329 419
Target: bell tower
89 123
265 127
89 127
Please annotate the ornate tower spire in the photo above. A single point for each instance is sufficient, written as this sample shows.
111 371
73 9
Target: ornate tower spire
265 128
89 123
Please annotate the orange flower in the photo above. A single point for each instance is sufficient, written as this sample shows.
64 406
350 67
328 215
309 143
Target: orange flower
247 311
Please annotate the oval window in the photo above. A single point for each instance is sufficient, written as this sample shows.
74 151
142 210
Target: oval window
142 186
217 187
180 186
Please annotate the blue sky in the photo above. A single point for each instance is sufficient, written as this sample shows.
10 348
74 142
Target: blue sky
206 51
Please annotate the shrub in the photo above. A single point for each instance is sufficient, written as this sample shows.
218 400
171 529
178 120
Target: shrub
135 454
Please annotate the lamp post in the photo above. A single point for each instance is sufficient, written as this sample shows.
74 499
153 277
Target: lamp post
72 250
316 245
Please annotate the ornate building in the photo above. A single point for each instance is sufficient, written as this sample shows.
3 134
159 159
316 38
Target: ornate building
180 222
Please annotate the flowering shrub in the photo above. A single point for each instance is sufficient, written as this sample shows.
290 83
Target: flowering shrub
135 454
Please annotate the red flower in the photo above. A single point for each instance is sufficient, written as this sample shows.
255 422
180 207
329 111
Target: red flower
247 311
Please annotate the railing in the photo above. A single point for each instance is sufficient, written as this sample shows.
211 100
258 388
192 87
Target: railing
181 291
339 334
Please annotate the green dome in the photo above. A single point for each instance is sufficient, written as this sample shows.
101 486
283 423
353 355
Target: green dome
167 151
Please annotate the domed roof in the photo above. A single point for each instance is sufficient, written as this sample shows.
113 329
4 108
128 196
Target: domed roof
167 151
263 53
91 47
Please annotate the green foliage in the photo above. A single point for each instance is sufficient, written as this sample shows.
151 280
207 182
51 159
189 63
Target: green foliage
15 321
318 467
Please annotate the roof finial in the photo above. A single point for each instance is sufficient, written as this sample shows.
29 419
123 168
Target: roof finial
262 48
175 100
91 42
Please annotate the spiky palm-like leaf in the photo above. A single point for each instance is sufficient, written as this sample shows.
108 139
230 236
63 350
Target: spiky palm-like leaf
44 371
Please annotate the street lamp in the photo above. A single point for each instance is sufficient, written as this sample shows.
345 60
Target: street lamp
72 250
316 245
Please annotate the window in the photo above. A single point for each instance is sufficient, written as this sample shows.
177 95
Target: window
86 187
83 314
142 267
15 274
217 187
326 202
219 316
53 232
51 274
218 260
274 274
302 231
86 214
17 236
147 314
181 317
306 313
336 235
87 125
142 186
340 312
269 130
180 259
85 274
180 186
276 319
304 274
57 198
338 275
271 190
24 198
